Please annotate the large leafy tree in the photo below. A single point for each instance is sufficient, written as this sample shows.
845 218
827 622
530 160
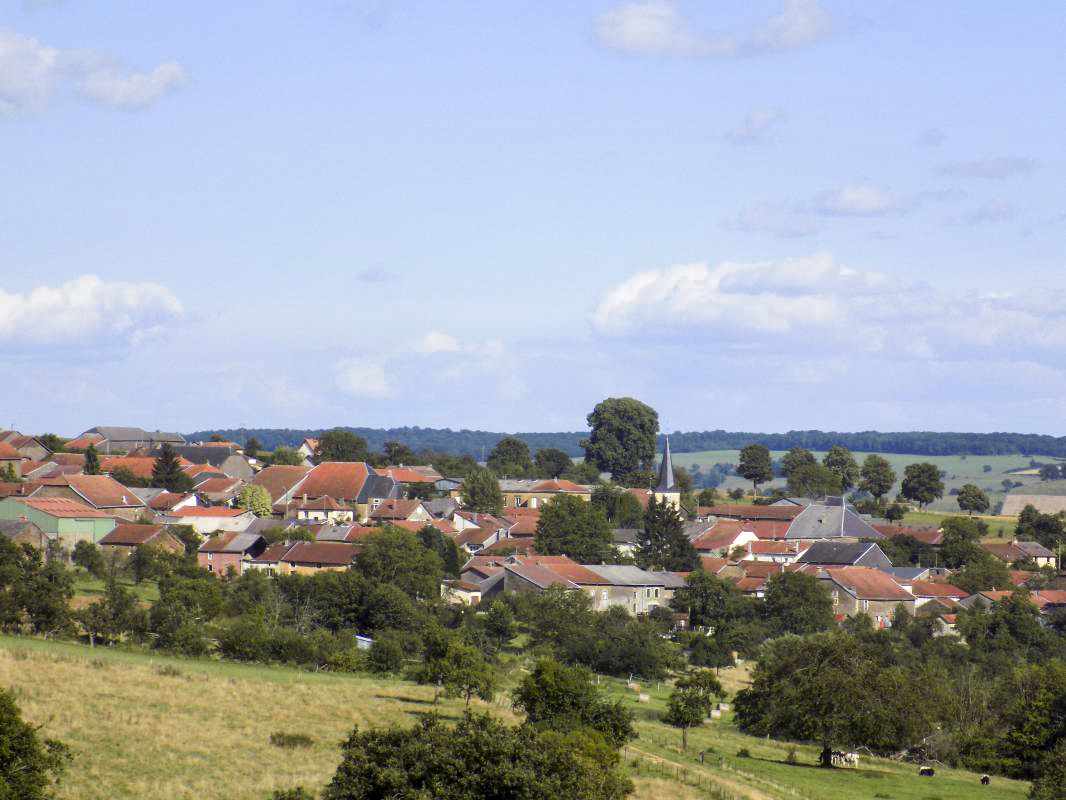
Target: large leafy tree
662 544
621 507
167 472
480 758
29 766
1044 528
622 440
397 557
972 499
1050 783
720 606
256 499
573 527
510 458
830 688
480 491
876 476
813 480
797 603
691 701
561 698
841 463
341 445
755 464
92 461
551 462
922 483
796 457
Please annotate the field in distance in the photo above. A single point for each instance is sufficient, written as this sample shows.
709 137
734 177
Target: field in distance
145 726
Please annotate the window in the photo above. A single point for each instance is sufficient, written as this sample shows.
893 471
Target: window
603 595
656 592
210 556
836 597
865 605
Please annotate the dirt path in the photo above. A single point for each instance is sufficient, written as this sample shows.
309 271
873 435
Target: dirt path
716 777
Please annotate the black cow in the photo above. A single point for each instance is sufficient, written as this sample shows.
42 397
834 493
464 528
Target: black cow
985 780
928 772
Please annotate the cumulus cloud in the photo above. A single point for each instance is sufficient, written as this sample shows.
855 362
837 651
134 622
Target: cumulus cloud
437 342
858 199
994 168
362 377
781 219
656 27
815 305
31 72
756 126
86 310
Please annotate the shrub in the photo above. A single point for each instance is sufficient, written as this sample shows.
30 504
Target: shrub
743 753
290 740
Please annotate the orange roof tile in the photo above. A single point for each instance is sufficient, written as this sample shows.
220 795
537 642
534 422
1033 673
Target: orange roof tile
7 452
342 480
62 507
867 583
211 511
103 491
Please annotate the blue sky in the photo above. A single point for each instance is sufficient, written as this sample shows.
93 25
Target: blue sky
751 215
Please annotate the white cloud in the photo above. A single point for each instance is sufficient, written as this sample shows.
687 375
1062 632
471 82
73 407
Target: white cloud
656 27
816 306
437 342
858 199
994 168
781 219
30 73
362 377
86 310
756 126
137 90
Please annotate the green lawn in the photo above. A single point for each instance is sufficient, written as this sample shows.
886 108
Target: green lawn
88 586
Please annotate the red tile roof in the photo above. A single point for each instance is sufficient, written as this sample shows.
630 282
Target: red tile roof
559 485
274 552
7 452
82 442
711 564
342 480
210 511
777 547
333 554
62 507
923 533
930 589
323 503
767 529
416 525
410 474
395 509
280 478
130 535
867 583
68 459
760 569
103 491
219 485
141 466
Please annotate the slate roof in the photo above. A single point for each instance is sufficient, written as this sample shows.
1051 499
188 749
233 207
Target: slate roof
666 471
134 435
626 575
231 543
825 521
834 553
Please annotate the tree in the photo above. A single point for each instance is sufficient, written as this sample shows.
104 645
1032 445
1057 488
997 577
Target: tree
621 507
797 603
691 701
895 512
1044 528
922 484
960 541
92 461
480 758
981 574
972 499
582 472
167 472
622 440
561 698
662 544
708 497
551 462
510 458
796 457
499 623
397 453
341 445
111 616
813 480
287 456
876 476
465 673
144 562
29 766
573 527
256 499
841 463
1050 783
755 465
252 446
88 556
831 689
396 557
480 491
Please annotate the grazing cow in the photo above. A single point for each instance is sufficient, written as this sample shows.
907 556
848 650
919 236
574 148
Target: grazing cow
985 780
927 772
851 759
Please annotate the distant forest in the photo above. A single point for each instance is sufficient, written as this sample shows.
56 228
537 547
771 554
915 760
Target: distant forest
479 443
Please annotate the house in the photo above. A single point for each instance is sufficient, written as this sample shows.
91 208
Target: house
725 535
125 538
865 590
624 540
926 591
9 457
138 466
785 513
219 491
101 492
393 510
410 475
478 531
460 592
306 558
270 559
415 526
354 485
832 519
1016 550
160 501
210 520
535 493
774 551
323 509
229 550
227 460
69 521
307 449
123 440
22 531
930 534
845 554
28 447
281 481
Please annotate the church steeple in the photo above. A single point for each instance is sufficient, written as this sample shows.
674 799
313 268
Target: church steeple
666 471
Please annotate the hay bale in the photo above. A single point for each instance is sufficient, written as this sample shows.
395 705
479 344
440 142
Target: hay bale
643 698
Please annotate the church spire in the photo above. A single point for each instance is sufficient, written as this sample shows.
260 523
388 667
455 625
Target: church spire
666 471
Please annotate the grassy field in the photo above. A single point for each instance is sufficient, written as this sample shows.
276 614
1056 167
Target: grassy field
86 586
960 470
144 726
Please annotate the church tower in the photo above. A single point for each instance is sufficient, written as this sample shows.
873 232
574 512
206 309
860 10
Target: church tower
666 490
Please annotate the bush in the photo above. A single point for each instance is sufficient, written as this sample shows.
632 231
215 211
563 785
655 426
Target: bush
290 740
743 753
791 757
387 654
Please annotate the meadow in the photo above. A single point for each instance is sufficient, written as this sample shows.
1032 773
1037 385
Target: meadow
959 470
147 726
